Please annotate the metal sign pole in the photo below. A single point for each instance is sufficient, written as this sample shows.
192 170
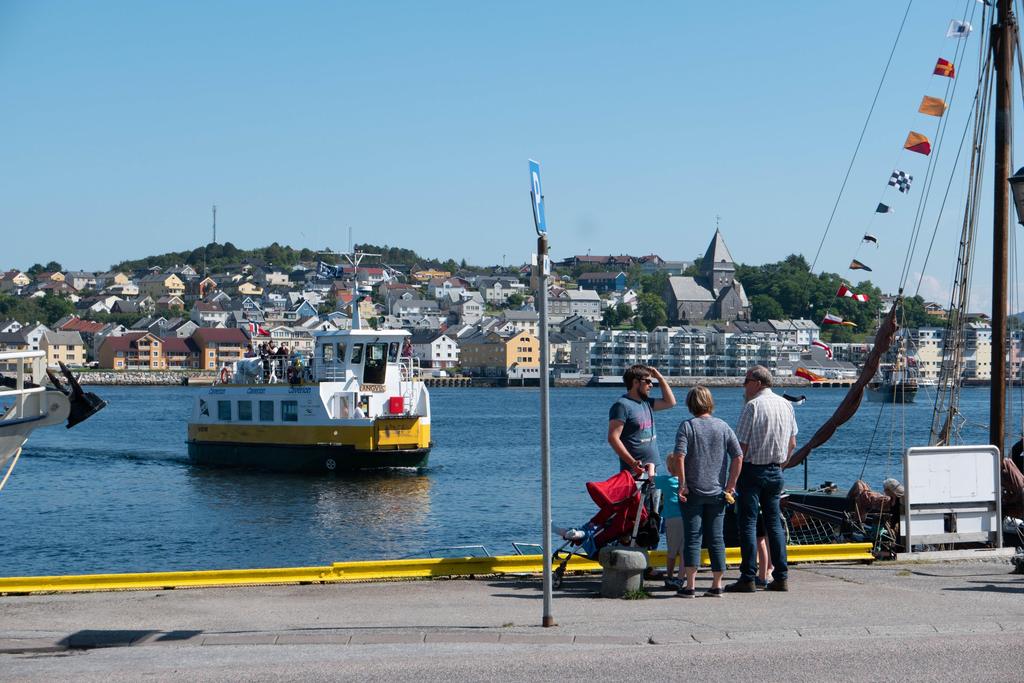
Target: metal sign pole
541 270
545 424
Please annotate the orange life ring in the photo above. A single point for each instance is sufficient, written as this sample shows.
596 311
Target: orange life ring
225 375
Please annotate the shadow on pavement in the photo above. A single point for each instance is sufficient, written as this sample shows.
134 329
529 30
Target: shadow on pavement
1015 588
91 638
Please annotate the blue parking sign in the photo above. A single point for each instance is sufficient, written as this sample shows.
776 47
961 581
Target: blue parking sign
538 199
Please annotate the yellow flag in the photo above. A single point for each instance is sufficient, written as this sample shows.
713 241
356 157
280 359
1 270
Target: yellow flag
932 106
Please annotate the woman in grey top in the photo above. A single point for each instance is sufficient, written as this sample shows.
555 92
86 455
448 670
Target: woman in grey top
707 460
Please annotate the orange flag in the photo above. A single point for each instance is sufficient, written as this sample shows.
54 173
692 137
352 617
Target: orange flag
808 375
932 106
918 143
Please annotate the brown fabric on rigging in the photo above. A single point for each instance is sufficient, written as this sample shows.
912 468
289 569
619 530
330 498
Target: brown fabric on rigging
883 340
1013 489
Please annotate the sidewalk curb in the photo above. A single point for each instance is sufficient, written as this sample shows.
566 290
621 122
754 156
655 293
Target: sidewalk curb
97 640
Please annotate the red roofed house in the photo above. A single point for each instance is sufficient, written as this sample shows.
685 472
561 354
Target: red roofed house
135 351
217 346
181 354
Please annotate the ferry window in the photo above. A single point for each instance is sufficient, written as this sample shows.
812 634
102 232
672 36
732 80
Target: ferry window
327 352
266 411
393 352
289 411
245 411
224 410
357 354
376 364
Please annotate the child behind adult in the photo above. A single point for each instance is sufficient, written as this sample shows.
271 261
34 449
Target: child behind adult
672 516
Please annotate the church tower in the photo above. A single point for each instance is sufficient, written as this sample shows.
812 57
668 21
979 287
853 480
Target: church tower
717 268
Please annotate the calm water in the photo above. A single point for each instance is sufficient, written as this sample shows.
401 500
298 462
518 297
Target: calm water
117 492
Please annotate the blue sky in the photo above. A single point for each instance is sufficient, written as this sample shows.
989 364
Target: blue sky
412 123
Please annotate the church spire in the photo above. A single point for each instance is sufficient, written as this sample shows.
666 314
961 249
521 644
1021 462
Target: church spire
717 257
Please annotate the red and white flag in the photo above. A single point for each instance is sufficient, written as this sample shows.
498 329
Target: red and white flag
832 319
822 345
849 293
255 329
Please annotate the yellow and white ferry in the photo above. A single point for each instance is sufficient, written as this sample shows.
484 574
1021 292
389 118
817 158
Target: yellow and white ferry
358 404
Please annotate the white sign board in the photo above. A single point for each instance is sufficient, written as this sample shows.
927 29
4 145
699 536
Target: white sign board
952 495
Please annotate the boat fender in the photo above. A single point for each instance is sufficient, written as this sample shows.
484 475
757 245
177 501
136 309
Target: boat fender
225 375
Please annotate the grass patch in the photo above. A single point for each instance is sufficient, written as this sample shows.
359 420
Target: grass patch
636 594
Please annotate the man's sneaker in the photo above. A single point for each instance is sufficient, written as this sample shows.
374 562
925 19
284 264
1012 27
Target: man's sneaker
741 586
713 593
686 593
673 584
778 585
761 583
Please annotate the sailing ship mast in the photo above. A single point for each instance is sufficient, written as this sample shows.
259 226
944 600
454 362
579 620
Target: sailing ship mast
1004 37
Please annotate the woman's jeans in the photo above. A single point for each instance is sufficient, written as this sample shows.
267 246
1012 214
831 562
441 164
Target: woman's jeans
703 517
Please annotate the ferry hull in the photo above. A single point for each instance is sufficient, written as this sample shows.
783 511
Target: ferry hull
301 458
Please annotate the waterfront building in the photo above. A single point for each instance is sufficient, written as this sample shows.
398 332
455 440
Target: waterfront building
63 346
615 350
435 349
682 351
217 347
926 350
978 351
487 353
132 351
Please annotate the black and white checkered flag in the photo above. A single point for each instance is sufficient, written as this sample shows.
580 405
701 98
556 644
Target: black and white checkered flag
901 181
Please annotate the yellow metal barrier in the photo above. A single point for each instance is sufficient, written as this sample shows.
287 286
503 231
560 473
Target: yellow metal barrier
374 571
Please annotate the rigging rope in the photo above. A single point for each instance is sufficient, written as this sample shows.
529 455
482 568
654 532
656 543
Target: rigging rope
10 469
864 130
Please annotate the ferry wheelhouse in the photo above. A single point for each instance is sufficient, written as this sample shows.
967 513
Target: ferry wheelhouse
358 403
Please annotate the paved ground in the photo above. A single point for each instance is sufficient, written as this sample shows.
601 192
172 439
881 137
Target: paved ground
938 621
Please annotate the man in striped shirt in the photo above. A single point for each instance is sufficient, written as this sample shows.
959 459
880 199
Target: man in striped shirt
767 435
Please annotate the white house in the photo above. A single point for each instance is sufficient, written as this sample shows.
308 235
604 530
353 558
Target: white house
435 350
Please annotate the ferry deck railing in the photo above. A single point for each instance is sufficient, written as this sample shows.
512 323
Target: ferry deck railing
22 360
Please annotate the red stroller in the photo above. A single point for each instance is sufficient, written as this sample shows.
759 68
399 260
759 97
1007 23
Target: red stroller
627 514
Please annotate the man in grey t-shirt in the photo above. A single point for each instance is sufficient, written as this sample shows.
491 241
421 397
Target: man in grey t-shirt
631 432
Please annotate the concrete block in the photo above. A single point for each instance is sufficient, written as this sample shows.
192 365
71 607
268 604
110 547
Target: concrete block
622 570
